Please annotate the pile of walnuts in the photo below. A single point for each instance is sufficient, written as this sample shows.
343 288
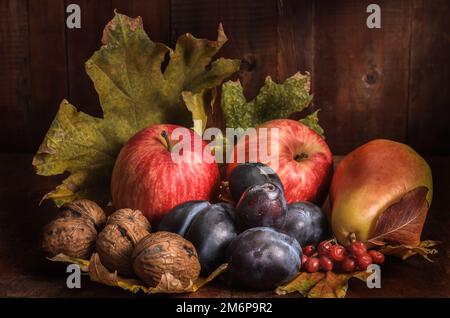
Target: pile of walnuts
123 241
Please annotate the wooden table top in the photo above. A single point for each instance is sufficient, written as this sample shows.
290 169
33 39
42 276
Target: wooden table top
24 272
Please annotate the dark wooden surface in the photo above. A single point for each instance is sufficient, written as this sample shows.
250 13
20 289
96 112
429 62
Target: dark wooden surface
24 272
391 82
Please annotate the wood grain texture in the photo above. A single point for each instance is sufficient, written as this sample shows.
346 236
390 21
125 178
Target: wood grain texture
81 44
14 76
295 37
48 65
429 92
360 75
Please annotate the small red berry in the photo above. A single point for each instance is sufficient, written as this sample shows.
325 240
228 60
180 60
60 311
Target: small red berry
377 257
325 263
324 248
358 248
309 250
364 261
348 264
312 265
337 253
304 259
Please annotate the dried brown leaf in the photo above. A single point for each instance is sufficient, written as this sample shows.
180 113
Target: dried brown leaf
321 285
168 284
98 273
201 281
84 264
405 251
402 222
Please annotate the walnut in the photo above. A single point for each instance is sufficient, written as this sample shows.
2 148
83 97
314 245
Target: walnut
134 216
85 208
165 253
116 242
74 237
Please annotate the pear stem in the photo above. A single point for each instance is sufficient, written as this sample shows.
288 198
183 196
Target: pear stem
352 237
166 139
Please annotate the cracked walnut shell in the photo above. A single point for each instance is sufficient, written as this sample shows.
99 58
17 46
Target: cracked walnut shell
134 216
85 208
163 253
74 237
115 245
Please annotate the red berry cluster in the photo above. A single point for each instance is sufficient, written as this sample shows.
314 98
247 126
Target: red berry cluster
331 255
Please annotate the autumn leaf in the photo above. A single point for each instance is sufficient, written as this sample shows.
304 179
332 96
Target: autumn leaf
321 285
202 281
312 121
98 273
62 258
402 222
273 101
168 283
425 249
198 104
134 93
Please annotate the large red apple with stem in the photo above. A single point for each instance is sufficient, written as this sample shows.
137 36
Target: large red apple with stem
300 157
153 173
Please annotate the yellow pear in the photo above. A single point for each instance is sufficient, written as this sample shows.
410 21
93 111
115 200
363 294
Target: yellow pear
369 180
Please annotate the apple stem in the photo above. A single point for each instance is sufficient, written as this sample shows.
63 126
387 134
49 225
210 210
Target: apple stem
300 156
166 139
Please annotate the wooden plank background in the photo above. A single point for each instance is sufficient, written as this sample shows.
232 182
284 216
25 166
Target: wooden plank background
391 82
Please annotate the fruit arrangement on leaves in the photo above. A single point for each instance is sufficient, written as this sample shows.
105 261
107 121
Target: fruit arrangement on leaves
259 238
271 232
125 246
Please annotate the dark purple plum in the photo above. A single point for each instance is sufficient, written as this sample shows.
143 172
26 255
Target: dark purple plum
180 217
305 222
261 205
249 174
229 208
262 258
211 232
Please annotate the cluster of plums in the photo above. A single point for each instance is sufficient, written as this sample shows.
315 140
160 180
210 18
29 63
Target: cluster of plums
261 237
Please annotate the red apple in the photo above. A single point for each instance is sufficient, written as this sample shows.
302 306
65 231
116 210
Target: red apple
146 176
303 160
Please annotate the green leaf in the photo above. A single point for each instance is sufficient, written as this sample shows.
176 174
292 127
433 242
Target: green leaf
273 101
312 121
134 93
198 104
